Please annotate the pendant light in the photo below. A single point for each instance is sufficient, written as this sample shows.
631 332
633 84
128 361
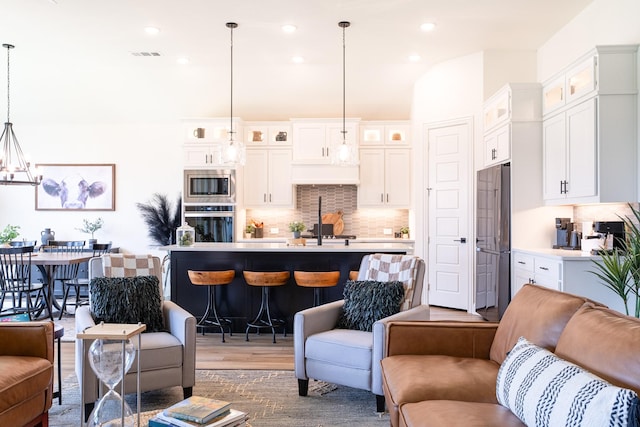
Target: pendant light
344 153
15 169
234 152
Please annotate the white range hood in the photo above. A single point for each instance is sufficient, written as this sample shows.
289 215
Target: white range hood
324 174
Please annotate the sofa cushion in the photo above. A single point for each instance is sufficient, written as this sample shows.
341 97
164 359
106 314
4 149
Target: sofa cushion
414 378
617 344
127 300
536 313
367 301
451 413
542 389
23 378
160 350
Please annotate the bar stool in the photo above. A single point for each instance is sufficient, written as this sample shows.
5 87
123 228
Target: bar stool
210 279
316 280
266 280
353 275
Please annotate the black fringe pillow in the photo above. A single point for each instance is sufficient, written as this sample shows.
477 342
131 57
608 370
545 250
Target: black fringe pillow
127 300
367 301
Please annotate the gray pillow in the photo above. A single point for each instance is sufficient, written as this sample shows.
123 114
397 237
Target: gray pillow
367 301
127 300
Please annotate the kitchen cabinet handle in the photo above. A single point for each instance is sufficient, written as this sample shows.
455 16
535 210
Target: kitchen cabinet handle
521 262
327 151
322 151
493 154
269 197
382 197
264 197
543 268
387 197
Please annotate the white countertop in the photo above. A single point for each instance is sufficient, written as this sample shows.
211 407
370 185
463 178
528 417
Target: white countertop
561 254
333 246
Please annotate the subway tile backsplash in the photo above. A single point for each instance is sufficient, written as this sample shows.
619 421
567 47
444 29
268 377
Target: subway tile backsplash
363 223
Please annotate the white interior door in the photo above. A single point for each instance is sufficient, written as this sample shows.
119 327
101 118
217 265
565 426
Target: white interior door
449 213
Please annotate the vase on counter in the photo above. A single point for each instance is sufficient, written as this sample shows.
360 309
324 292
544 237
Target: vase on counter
46 235
296 234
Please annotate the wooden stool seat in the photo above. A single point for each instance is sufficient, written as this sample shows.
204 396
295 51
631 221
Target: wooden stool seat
266 280
353 275
316 280
210 319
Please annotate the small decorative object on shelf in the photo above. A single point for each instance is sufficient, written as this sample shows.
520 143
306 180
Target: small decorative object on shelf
259 231
9 233
185 235
404 231
297 227
46 235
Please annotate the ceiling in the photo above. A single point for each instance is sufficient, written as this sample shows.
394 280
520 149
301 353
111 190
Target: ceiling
74 61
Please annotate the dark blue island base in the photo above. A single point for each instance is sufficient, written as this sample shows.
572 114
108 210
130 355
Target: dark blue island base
240 302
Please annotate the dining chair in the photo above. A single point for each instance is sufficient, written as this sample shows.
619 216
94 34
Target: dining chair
15 280
62 273
78 283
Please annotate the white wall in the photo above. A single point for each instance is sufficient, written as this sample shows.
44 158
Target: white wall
148 159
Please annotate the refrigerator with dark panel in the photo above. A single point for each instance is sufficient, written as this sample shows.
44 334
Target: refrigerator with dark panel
493 241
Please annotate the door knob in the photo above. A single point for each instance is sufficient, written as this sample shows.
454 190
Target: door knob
461 240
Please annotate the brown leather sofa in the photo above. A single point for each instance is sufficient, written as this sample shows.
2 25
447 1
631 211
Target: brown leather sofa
444 373
26 373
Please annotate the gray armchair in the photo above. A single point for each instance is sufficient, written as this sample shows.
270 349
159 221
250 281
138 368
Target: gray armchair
167 358
352 357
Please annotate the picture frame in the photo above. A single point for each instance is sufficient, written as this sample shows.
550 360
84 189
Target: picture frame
87 187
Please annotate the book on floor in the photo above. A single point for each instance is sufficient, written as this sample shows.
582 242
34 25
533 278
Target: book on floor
231 418
197 409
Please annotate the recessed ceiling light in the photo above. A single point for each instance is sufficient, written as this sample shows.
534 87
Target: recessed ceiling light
183 60
414 57
428 26
297 59
151 30
289 28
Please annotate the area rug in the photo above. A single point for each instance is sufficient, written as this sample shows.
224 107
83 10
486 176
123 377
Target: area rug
269 397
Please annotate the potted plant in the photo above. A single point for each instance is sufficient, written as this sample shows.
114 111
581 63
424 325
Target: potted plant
90 227
9 233
249 230
404 231
297 227
162 218
620 270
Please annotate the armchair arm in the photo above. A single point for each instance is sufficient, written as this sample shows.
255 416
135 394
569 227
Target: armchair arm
309 322
457 339
420 312
182 325
33 339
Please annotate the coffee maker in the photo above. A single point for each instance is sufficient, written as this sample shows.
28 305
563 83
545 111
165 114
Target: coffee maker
564 227
613 230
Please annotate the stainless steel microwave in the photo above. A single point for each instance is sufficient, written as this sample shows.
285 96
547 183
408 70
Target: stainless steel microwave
209 186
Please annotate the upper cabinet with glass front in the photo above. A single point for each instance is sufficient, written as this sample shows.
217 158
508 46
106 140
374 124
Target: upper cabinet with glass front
596 73
390 133
260 134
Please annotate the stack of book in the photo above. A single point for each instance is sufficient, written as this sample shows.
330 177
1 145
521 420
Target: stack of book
199 411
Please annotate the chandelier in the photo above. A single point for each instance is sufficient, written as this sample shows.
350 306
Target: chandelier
14 167
234 152
344 153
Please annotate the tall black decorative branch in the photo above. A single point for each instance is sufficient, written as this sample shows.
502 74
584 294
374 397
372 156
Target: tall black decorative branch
161 219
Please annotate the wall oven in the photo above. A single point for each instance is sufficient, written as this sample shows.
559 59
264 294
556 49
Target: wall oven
209 186
212 223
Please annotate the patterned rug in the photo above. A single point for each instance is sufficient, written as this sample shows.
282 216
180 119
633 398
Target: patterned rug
269 397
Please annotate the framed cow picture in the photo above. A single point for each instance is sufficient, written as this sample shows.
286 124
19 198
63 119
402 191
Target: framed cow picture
89 187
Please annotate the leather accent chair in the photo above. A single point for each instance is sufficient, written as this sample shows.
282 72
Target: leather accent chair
26 373
343 356
167 359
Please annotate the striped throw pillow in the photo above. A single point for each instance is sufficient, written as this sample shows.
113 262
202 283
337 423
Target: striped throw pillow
543 390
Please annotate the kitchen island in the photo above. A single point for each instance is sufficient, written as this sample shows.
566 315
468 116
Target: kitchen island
240 302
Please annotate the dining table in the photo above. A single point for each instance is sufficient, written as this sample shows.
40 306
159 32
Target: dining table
47 262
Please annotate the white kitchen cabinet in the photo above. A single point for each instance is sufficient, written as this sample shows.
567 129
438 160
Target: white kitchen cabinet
589 130
503 115
262 134
566 271
395 133
313 141
535 269
385 178
202 155
569 147
267 178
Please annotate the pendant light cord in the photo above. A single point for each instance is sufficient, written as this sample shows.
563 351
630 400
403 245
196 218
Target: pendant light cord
344 25
9 47
231 25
